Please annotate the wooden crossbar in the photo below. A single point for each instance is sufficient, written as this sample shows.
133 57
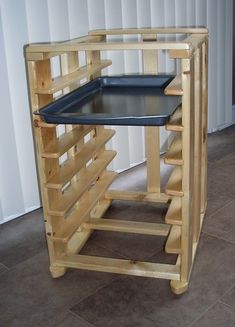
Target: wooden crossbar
127 226
120 266
137 196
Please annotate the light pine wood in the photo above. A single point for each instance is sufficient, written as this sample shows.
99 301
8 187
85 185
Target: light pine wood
152 30
173 243
185 47
69 197
197 145
188 168
120 266
174 154
80 237
127 226
66 141
175 122
41 74
174 87
174 185
37 56
204 126
174 213
75 195
68 227
194 41
152 136
58 83
178 287
136 196
74 164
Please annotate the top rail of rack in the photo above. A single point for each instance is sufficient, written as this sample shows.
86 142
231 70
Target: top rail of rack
96 40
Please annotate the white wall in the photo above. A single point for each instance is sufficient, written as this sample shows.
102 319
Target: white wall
25 21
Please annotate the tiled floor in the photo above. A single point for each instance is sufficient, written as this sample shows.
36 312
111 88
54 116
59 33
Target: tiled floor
30 297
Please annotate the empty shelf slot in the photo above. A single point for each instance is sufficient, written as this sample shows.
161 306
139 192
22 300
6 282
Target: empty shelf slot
173 243
174 213
175 122
127 226
61 82
174 185
66 141
76 163
174 154
75 191
174 87
137 196
68 226
120 266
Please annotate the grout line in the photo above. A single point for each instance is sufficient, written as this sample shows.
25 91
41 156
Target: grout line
225 205
219 300
33 256
219 238
5 269
101 287
80 318
4 266
227 305
203 313
214 212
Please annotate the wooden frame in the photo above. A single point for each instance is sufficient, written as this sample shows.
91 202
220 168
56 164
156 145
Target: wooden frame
75 192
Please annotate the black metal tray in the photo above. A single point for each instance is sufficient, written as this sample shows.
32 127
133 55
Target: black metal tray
133 100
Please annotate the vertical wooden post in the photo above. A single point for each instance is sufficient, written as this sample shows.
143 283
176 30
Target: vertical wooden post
152 136
197 145
40 76
187 177
204 125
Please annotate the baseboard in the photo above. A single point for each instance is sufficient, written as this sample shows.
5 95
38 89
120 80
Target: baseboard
233 113
18 215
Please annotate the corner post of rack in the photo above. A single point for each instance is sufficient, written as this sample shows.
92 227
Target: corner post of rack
39 75
152 133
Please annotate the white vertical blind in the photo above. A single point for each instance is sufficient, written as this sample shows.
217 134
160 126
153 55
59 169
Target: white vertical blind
25 21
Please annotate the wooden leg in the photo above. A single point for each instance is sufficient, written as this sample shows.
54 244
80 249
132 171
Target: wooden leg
178 287
56 271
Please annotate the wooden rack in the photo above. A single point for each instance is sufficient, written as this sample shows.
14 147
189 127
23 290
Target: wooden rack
75 192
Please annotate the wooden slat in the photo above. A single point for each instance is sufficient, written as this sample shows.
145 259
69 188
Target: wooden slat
66 141
153 30
175 87
174 185
33 56
175 122
127 226
100 208
174 213
137 196
174 154
120 266
173 244
68 226
73 165
75 191
117 45
63 81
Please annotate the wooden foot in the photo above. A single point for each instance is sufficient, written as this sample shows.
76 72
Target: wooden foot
57 272
178 287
